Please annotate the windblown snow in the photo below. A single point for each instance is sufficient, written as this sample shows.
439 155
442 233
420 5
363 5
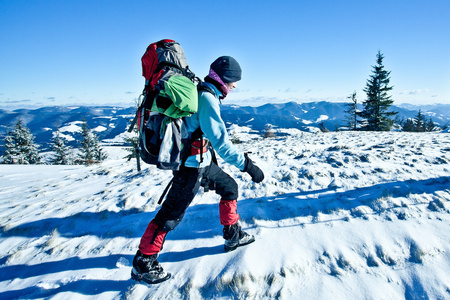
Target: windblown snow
340 215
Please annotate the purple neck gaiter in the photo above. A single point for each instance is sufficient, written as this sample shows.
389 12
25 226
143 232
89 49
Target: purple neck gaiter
223 87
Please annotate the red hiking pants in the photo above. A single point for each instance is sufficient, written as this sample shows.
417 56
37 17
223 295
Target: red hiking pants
186 184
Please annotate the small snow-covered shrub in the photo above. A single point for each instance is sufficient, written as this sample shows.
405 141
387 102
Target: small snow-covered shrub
440 160
364 158
335 161
373 261
361 210
436 205
417 254
384 257
338 148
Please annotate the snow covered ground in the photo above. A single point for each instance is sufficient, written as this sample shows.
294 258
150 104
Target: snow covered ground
340 215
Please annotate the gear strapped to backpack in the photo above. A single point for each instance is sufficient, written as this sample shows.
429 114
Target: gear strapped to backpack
169 96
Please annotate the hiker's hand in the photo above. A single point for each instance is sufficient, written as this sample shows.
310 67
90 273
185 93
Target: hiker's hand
253 170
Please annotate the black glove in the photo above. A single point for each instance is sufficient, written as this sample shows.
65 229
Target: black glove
253 170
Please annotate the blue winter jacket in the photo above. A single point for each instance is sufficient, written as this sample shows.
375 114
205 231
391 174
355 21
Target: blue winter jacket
209 120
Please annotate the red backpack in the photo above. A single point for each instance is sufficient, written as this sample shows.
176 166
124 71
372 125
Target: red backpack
162 57
163 65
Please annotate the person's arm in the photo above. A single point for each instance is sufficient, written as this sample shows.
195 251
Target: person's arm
215 131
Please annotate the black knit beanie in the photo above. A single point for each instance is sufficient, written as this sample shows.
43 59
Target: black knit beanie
227 68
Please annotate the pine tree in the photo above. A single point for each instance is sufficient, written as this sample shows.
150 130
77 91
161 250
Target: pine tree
133 141
62 152
20 147
378 101
420 122
430 125
86 145
408 125
352 112
90 151
99 153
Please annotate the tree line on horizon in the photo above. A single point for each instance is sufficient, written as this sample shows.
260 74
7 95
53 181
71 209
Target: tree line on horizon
20 148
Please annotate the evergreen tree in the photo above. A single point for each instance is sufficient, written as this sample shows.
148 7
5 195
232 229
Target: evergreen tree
86 145
90 151
20 147
62 152
408 125
378 101
430 125
420 122
99 153
133 141
352 112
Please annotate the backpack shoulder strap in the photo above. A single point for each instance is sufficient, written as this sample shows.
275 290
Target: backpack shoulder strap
206 88
203 87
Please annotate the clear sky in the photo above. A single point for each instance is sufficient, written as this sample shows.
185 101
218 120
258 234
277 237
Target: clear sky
55 52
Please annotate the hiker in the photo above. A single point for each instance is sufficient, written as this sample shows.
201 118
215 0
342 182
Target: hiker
201 169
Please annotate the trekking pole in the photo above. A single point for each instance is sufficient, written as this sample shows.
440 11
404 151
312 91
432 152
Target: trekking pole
165 191
138 161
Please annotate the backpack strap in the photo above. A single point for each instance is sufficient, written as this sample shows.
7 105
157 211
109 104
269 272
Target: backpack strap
147 102
203 87
206 88
197 134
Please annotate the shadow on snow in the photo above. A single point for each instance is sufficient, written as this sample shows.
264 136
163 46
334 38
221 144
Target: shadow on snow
83 286
201 221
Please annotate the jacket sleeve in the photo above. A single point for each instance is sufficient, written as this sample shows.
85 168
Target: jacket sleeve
215 131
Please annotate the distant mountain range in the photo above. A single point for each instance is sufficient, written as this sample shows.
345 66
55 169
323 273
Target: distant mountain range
111 122
313 114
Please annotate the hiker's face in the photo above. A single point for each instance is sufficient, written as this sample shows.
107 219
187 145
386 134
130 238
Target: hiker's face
231 85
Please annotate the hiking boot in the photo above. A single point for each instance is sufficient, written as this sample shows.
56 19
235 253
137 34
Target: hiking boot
235 237
147 268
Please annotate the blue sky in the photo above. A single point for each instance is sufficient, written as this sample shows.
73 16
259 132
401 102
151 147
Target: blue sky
88 52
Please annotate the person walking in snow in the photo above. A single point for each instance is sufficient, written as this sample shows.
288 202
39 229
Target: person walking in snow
201 169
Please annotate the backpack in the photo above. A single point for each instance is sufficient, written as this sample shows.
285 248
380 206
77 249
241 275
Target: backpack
169 95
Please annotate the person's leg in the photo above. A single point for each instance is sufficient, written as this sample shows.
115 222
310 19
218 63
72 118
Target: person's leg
227 188
184 188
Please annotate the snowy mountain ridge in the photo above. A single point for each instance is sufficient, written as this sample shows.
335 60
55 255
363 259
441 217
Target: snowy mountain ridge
111 122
